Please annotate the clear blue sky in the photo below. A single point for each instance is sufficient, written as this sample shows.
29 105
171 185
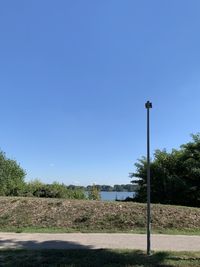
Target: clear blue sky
74 77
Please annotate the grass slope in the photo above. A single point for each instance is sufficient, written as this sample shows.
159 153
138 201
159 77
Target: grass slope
59 215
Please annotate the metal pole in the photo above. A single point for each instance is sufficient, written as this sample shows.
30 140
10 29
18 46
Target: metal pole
148 105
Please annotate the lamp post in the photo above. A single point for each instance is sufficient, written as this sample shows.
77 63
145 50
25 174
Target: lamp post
148 105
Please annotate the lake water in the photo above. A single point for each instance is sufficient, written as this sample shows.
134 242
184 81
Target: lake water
116 195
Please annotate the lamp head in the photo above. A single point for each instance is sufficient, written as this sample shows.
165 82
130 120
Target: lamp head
148 104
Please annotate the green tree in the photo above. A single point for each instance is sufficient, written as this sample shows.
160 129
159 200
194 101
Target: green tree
11 176
175 176
118 187
94 193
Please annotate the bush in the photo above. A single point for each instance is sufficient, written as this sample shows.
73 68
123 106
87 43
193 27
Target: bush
94 193
36 188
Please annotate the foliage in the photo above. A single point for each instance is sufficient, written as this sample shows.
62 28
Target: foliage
11 176
12 183
116 187
94 193
55 190
175 175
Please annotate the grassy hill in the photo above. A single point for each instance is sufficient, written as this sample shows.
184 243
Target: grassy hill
61 215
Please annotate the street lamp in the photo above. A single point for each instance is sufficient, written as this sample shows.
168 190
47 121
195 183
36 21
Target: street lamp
148 105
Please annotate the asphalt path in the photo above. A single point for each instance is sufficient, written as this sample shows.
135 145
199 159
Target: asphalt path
98 241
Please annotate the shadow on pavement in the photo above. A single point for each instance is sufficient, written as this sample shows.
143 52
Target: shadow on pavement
34 245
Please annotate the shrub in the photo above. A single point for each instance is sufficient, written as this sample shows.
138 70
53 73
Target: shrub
36 188
94 193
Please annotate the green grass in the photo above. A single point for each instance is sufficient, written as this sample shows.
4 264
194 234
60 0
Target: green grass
97 258
71 230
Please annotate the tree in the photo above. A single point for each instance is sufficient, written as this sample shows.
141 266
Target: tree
175 176
118 187
11 176
94 193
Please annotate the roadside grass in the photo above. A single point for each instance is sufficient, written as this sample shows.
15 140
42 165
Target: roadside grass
18 214
97 258
68 230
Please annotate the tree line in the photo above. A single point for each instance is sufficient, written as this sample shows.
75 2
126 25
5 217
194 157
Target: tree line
175 175
108 188
12 183
175 179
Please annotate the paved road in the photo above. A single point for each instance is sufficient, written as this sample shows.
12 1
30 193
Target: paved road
96 241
